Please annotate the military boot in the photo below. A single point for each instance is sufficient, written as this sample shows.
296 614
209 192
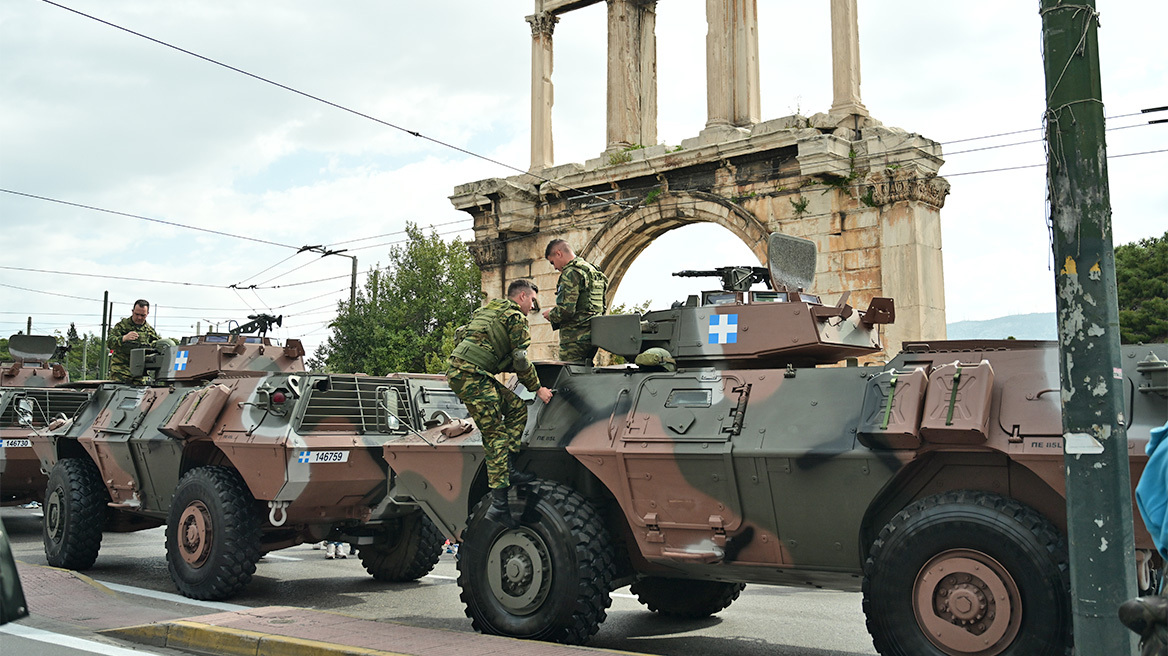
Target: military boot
500 509
518 477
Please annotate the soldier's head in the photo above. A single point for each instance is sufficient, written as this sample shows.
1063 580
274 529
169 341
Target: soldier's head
523 292
559 253
140 312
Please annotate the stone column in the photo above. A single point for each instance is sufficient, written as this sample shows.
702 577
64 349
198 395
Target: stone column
845 59
632 73
732 96
542 25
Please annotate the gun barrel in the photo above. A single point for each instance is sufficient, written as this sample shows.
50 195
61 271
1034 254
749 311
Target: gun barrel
690 273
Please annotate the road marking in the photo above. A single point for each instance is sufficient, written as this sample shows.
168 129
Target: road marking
275 557
167 596
439 576
72 642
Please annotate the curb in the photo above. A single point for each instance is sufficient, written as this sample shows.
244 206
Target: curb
195 636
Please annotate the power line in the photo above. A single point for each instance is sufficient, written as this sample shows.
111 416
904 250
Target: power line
143 218
412 133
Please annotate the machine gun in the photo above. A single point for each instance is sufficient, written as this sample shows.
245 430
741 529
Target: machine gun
734 278
260 323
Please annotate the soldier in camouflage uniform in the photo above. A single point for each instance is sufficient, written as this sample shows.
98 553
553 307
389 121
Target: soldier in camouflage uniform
496 340
126 335
580 295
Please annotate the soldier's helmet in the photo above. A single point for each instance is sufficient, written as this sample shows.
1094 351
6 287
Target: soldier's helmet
656 357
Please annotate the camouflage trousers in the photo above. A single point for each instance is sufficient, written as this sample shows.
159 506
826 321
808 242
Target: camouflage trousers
576 344
497 411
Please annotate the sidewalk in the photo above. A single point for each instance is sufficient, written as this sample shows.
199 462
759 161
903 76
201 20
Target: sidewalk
269 631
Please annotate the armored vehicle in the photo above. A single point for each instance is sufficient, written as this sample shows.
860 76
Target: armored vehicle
30 375
239 452
746 454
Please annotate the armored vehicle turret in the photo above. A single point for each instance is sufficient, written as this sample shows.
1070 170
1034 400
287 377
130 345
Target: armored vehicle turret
31 375
239 452
933 482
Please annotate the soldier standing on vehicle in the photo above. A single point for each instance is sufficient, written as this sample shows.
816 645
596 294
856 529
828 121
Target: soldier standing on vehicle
580 295
496 340
126 335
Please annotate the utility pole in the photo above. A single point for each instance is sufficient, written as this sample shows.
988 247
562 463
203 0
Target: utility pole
1099 513
85 357
324 252
103 366
29 326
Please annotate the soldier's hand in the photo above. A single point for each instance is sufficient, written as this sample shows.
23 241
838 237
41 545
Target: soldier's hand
131 336
544 394
546 313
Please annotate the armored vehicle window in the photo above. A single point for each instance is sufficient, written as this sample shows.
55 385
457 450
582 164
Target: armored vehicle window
689 398
769 297
720 298
809 298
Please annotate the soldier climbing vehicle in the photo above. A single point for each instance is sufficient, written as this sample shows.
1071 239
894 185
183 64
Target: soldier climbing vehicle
239 452
31 375
740 452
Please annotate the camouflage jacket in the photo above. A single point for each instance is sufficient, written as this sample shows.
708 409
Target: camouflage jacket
494 334
580 294
120 351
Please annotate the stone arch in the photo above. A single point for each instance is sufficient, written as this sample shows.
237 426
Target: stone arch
615 246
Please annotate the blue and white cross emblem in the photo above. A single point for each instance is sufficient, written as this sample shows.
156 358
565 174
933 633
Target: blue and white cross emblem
180 361
304 456
723 329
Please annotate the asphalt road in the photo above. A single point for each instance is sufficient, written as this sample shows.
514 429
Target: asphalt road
764 621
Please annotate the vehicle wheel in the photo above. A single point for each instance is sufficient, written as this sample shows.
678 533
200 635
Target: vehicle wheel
75 512
685 597
212 534
968 573
549 579
409 551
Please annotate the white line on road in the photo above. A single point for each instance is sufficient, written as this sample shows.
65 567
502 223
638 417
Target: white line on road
167 596
275 557
72 642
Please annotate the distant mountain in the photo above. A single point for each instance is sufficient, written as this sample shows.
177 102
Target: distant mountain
1037 325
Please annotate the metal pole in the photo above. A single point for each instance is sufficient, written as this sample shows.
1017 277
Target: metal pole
353 284
85 357
105 312
1099 514
29 331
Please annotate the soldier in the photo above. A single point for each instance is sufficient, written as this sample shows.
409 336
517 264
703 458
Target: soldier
496 340
128 334
580 295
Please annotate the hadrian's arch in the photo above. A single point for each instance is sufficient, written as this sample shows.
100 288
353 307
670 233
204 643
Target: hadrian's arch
868 195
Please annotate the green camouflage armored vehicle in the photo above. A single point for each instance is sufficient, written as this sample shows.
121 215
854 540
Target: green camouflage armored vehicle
30 375
239 452
745 453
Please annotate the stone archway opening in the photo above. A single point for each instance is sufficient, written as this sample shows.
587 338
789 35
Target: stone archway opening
649 277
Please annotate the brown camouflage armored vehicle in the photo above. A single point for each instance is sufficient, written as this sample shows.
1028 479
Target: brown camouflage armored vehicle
30 375
239 452
933 482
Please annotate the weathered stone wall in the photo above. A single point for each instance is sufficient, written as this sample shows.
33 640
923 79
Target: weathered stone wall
867 195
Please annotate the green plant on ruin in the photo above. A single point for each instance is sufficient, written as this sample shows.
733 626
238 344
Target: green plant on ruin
622 157
869 197
800 206
653 195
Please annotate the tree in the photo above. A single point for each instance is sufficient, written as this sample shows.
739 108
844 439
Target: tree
1141 275
404 317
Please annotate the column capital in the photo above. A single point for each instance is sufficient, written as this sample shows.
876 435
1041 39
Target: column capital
542 24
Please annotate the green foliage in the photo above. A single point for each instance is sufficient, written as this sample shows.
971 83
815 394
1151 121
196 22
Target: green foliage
652 196
1141 275
405 316
622 157
83 359
869 197
4 356
800 206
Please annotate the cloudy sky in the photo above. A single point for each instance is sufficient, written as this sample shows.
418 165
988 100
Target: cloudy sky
95 116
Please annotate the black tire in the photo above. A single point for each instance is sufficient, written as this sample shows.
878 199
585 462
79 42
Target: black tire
212 534
549 579
410 549
75 509
928 574
685 598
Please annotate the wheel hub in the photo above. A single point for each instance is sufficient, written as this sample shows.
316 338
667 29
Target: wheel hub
53 514
967 603
519 570
195 534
